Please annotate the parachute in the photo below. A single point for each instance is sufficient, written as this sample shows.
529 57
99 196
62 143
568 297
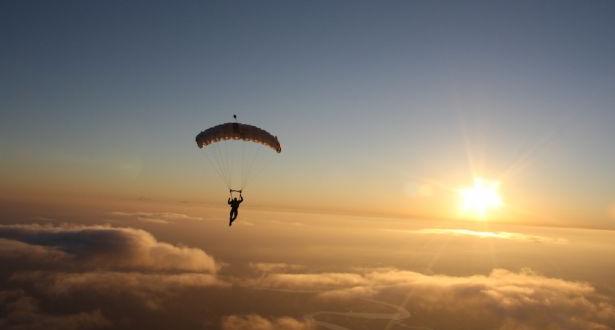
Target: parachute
237 131
235 150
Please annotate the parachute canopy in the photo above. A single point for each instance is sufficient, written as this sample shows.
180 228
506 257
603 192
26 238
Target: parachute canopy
237 131
235 151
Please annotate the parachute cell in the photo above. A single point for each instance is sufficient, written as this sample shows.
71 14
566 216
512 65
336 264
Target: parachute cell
237 131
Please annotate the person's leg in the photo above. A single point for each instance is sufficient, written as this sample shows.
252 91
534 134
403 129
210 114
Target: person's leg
230 217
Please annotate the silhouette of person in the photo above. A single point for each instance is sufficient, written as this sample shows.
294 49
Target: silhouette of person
234 203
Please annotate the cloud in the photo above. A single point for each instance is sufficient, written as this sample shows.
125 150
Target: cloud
269 267
76 276
156 217
83 272
349 293
257 322
20 311
116 282
105 247
23 253
486 234
150 289
509 300
322 281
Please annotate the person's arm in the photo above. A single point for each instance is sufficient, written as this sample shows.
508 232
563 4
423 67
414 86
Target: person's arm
241 200
229 201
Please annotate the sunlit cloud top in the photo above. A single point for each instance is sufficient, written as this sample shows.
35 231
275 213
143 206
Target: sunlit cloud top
489 234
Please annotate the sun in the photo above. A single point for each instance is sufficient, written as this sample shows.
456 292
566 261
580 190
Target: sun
479 199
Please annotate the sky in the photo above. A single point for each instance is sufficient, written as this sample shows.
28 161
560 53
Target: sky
370 102
444 165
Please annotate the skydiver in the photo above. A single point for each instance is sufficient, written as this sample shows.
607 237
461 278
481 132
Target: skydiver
234 208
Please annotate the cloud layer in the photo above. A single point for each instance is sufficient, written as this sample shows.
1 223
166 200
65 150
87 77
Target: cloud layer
487 234
501 299
20 311
90 277
102 247
80 268
257 322
156 217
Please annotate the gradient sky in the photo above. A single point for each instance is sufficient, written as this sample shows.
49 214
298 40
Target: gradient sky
112 218
372 102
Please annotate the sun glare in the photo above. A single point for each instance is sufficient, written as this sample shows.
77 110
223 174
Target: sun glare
477 200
